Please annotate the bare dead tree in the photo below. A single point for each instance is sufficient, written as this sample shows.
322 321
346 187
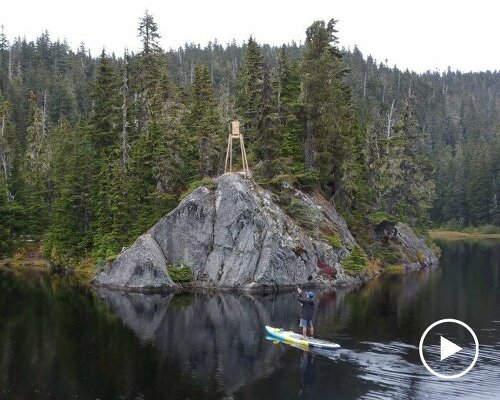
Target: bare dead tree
44 115
10 65
364 84
3 158
125 145
389 120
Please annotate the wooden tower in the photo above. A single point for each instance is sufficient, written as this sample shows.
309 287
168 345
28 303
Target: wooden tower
235 134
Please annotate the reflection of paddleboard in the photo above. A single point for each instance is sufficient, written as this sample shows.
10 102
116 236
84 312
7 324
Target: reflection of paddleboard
292 337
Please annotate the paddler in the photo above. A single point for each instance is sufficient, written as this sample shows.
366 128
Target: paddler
307 312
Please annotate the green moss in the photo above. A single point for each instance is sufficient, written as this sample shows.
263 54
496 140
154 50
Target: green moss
356 262
180 273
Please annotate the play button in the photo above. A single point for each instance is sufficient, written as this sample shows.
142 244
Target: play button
456 353
448 348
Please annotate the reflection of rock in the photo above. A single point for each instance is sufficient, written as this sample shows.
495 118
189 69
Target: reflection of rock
145 313
210 335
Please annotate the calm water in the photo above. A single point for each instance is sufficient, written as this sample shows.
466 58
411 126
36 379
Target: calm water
62 340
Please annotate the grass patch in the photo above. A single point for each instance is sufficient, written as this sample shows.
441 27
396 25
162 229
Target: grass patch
395 269
180 273
454 235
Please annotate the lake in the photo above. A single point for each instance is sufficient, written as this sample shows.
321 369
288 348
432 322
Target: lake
60 339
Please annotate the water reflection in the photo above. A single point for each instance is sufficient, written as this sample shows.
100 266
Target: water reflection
60 339
207 334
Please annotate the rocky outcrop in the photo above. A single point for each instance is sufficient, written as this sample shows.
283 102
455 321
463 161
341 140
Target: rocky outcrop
235 236
142 266
413 251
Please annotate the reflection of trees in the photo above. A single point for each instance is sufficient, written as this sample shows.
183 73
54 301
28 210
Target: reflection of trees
381 308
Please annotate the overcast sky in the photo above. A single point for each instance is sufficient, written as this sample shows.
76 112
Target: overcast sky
417 34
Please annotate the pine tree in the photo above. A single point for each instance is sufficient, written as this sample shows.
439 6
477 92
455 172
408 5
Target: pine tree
106 114
157 158
269 137
290 111
204 126
334 141
478 189
12 217
69 237
148 32
249 99
36 161
408 189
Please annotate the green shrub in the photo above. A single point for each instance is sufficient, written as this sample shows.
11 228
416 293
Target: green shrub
385 253
334 241
300 213
356 262
180 273
308 180
206 181
379 217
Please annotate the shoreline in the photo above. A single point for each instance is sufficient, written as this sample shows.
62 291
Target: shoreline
456 235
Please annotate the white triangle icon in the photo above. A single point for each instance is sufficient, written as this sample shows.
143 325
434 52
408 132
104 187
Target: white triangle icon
448 348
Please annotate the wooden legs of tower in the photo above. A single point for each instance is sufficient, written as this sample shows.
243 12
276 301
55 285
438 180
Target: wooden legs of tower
228 167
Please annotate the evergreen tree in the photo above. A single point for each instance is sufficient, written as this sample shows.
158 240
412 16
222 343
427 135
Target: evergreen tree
148 32
69 236
36 162
157 159
269 137
250 94
290 111
334 142
408 190
106 113
204 126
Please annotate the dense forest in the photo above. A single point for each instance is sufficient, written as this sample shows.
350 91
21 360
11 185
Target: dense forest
93 150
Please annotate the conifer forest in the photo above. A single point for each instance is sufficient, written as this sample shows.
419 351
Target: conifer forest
94 149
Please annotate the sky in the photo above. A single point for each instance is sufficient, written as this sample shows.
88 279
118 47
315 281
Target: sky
419 35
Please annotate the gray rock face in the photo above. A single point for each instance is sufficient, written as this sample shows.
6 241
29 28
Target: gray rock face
236 237
414 251
142 266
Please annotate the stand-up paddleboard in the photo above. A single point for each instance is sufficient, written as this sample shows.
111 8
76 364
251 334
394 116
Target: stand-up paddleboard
292 337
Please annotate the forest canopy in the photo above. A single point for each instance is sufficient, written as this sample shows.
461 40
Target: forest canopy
94 150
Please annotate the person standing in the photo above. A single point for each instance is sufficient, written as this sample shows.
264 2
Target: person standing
307 312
